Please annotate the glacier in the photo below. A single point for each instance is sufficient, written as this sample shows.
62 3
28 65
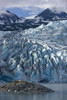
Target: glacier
35 54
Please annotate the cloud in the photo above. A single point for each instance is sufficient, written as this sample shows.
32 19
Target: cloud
19 3
31 17
60 4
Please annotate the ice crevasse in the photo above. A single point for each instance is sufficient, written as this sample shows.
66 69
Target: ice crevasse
35 54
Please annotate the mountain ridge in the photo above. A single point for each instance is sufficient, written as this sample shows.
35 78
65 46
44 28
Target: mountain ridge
49 15
11 22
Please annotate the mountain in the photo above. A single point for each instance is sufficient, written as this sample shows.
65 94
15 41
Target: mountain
46 16
10 22
35 54
6 17
49 15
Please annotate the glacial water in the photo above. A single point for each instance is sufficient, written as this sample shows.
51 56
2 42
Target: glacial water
59 94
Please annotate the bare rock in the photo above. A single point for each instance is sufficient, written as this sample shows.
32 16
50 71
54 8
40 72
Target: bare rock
25 87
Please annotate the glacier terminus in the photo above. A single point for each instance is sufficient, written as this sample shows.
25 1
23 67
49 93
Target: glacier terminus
35 54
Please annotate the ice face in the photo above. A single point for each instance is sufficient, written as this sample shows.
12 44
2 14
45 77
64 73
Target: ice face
35 54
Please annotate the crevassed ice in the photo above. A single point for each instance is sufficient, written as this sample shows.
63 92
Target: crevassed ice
35 54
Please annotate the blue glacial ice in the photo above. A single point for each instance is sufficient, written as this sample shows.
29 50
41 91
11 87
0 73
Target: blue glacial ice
35 54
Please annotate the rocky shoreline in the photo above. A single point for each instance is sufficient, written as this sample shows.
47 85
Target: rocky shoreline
25 87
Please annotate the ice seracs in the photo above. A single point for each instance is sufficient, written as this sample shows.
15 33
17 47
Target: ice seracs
36 54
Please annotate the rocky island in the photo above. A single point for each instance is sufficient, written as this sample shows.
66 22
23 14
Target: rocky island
25 87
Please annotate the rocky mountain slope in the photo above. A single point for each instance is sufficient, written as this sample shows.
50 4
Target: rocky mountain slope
11 22
48 15
7 18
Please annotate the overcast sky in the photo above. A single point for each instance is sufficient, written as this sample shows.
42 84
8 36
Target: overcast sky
62 4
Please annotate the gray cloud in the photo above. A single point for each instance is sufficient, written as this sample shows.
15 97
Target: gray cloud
60 4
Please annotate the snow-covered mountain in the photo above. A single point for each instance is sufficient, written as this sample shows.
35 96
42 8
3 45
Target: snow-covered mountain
6 17
35 54
49 15
11 22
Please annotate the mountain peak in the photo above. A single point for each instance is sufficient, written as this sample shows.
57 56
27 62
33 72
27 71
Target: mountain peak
52 15
47 10
6 17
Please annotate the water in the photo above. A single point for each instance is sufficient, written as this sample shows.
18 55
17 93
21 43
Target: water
59 94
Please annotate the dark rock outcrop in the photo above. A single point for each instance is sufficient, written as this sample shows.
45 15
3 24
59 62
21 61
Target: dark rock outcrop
25 87
49 15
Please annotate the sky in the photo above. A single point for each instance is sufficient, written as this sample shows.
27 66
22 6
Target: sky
60 4
32 7
27 12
